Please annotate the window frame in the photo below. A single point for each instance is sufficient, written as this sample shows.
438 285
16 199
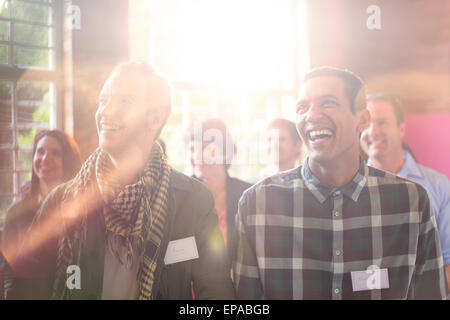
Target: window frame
17 73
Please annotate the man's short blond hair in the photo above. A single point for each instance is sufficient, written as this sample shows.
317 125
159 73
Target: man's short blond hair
158 92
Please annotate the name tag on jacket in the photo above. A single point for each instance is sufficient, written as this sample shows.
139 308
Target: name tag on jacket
181 250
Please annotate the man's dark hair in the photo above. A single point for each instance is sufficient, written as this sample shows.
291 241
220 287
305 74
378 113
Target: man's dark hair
354 87
289 125
392 100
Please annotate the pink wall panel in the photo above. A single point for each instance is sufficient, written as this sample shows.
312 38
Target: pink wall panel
428 136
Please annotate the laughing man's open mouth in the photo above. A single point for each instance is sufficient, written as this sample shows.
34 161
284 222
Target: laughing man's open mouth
318 134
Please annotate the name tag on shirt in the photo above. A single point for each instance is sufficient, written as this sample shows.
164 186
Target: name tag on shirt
370 279
181 250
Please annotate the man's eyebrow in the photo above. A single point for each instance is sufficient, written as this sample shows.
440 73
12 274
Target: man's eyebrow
328 96
321 97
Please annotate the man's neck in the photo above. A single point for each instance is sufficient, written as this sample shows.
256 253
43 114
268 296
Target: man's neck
392 163
129 164
335 173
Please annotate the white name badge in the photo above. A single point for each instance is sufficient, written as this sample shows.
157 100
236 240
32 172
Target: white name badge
370 279
181 250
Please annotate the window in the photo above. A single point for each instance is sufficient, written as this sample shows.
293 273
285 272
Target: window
237 60
29 55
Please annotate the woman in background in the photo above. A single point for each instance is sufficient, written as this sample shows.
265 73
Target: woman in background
212 150
56 159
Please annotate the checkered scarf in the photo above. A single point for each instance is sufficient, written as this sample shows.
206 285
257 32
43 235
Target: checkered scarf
134 216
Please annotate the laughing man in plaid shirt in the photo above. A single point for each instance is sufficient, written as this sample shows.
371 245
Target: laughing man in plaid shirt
336 228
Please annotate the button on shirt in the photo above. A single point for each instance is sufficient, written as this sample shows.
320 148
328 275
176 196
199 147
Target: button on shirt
301 239
438 189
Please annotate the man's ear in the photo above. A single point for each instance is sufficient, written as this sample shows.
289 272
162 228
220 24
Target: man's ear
363 120
157 118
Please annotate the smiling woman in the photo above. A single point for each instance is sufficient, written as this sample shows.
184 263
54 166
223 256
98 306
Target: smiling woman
56 159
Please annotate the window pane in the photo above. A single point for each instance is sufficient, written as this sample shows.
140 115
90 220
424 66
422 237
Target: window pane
33 91
5 102
3 54
33 35
25 159
4 204
4 30
5 93
45 1
24 178
31 12
33 114
4 9
5 90
7 183
26 137
27 57
6 135
6 160
35 98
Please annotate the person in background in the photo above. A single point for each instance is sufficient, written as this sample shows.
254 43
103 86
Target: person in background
55 159
284 144
382 142
336 228
134 227
212 150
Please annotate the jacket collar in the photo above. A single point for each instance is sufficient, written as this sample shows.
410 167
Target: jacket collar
180 181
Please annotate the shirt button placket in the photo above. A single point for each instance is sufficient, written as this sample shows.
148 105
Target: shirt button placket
338 258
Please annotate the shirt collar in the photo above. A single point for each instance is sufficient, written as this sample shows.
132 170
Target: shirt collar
322 191
410 167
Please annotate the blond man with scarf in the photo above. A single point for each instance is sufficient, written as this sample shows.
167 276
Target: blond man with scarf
128 226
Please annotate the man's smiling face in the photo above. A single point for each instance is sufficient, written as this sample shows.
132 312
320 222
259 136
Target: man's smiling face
384 135
325 121
122 115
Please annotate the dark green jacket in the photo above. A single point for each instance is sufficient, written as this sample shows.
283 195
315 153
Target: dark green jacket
191 213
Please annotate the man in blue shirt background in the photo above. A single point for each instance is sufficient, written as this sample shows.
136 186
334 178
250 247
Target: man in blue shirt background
382 142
